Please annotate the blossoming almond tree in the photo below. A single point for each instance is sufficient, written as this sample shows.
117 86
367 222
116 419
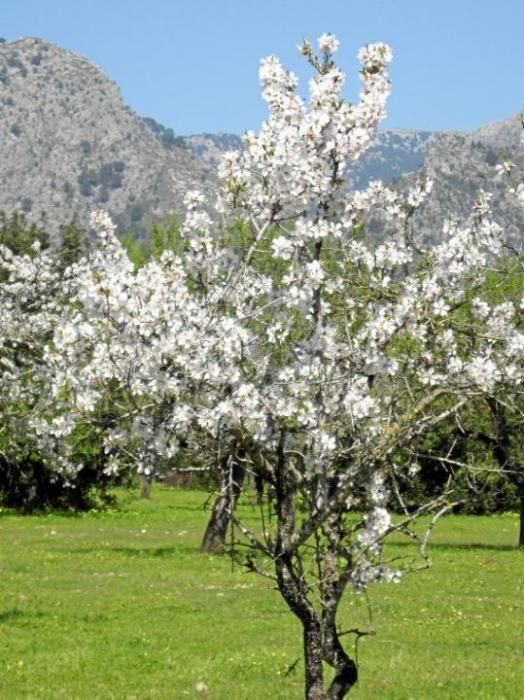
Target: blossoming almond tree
31 297
349 351
307 354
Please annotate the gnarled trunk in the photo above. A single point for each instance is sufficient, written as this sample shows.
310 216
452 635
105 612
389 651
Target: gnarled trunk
346 670
521 530
331 590
321 642
214 539
294 593
314 673
320 636
147 484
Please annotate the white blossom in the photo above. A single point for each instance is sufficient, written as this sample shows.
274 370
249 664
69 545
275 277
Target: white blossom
327 43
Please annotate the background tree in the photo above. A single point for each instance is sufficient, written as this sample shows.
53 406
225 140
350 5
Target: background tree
36 284
17 234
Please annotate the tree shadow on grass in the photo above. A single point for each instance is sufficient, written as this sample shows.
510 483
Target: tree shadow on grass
10 615
15 614
154 551
472 546
138 551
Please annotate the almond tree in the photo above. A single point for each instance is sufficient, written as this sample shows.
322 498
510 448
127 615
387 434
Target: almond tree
45 460
346 355
31 298
312 375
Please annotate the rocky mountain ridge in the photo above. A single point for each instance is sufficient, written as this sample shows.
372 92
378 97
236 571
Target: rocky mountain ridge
69 144
460 165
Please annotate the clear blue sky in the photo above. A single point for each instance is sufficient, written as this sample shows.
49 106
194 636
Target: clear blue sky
193 64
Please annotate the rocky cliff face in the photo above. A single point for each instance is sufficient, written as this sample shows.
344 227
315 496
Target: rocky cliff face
461 165
68 143
394 153
501 135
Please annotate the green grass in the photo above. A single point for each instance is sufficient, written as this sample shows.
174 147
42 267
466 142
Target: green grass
121 605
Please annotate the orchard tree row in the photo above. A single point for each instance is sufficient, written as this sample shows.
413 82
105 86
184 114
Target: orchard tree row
490 449
273 341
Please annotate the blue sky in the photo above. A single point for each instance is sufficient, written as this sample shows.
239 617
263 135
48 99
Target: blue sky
193 64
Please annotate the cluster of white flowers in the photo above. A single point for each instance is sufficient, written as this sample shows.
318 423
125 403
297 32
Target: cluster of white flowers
327 43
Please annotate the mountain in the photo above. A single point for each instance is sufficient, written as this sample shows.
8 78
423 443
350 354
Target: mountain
461 165
501 135
211 146
68 143
394 153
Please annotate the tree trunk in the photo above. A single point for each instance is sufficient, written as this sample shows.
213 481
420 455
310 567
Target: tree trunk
521 531
147 483
215 535
331 590
294 592
293 587
346 670
314 673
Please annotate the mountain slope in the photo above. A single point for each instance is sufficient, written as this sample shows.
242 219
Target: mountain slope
68 143
394 153
502 135
461 165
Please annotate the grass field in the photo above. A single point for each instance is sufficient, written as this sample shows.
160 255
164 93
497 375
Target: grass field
121 605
